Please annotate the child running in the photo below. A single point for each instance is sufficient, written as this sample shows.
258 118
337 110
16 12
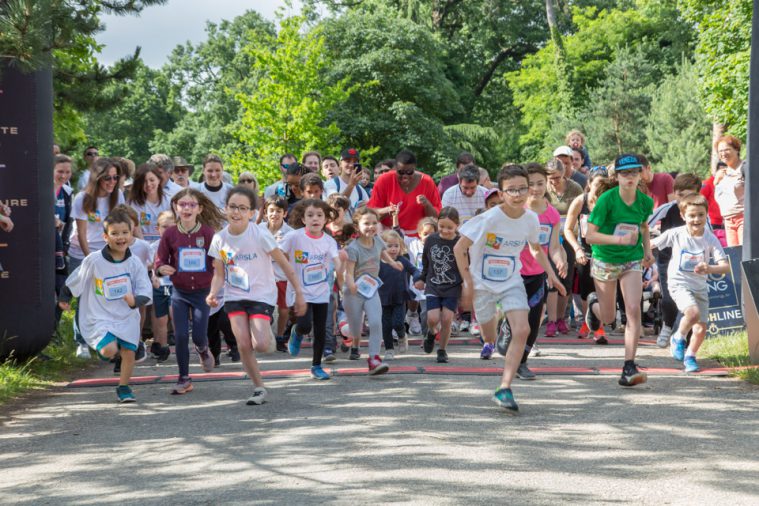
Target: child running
441 282
314 258
111 285
693 247
183 256
425 228
243 254
619 235
162 289
494 241
394 292
360 294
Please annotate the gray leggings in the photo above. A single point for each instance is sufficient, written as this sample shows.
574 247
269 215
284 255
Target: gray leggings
355 306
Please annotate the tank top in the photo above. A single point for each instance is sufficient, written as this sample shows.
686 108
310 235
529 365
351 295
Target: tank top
582 219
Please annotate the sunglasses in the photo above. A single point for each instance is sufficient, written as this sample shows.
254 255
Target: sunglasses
599 170
409 172
91 153
109 178
246 181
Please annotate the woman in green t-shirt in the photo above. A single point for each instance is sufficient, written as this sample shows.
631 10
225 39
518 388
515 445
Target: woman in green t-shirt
619 235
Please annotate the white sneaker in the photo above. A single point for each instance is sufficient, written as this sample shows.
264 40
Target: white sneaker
403 345
258 397
475 329
389 355
663 340
463 326
455 327
415 326
535 352
83 351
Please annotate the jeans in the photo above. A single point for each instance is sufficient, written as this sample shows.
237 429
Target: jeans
186 303
393 318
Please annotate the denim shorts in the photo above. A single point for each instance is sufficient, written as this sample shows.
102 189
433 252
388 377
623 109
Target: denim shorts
434 302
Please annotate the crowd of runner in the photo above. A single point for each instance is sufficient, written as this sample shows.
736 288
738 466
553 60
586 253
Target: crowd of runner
335 250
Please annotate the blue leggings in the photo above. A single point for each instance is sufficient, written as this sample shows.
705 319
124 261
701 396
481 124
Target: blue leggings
185 304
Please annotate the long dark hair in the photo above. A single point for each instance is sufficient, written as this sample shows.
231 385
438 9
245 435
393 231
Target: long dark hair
210 215
137 192
295 218
100 170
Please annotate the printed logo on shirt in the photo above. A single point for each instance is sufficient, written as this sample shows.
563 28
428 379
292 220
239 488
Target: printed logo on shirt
227 257
99 287
93 217
493 241
200 241
301 257
144 218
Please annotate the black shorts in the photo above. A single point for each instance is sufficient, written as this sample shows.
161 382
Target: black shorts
250 308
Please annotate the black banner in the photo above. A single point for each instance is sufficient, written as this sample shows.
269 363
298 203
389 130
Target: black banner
27 252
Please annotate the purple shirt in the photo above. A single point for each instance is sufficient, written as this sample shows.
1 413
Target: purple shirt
182 251
447 182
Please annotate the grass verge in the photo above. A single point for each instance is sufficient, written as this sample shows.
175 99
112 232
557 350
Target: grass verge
16 379
731 350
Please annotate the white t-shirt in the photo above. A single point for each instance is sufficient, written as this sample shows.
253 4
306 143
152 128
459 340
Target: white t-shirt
101 285
94 221
314 262
279 235
218 197
357 195
466 206
247 264
141 249
497 241
171 189
162 280
687 252
148 215
415 251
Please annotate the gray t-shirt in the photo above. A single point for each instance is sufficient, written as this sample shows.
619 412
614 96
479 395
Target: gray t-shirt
367 259
579 178
687 252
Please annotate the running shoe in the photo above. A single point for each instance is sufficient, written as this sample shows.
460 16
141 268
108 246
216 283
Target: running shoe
463 326
329 356
216 361
677 348
584 331
234 354
414 326
429 343
389 355
474 329
590 317
690 364
346 344
561 326
83 351
318 373
550 329
504 338
631 376
535 352
355 354
505 398
403 344
124 394
141 354
183 386
293 345
663 340
258 397
281 345
487 351
442 357
163 356
524 372
155 349
376 366
206 359
600 339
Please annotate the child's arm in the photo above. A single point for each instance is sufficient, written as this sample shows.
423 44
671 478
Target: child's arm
162 256
596 237
6 223
350 282
648 257
339 272
542 259
216 283
462 262
722 267
569 230
392 263
281 259
558 255
394 214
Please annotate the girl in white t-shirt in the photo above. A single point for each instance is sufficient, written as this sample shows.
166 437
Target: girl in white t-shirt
213 186
148 200
242 264
314 256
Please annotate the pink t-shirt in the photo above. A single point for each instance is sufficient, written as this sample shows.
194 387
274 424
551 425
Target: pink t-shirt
549 221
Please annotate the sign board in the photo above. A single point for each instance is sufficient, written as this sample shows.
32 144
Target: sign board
725 311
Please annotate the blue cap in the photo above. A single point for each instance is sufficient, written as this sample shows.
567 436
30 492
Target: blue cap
627 162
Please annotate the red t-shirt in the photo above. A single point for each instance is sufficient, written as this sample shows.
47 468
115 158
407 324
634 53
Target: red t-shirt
387 191
707 190
660 188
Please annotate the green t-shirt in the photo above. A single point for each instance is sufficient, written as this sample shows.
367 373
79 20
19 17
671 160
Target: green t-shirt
613 217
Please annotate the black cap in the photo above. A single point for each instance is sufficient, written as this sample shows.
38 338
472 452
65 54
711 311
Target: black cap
349 153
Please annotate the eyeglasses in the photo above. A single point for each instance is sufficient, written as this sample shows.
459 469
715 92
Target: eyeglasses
408 172
91 153
109 178
187 205
246 181
629 172
516 192
238 209
599 170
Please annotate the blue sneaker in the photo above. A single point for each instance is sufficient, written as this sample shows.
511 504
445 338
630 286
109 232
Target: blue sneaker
487 351
318 373
677 348
505 398
294 344
125 395
690 364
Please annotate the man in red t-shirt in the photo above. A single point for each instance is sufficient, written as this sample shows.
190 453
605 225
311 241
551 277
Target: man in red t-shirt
659 186
412 193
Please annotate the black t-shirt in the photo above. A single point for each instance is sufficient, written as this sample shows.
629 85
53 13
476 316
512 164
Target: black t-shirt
439 271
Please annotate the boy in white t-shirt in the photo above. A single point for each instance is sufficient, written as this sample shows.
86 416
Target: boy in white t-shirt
493 241
692 249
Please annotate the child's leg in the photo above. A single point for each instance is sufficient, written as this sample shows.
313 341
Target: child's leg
214 341
127 366
446 319
696 339
330 341
398 323
631 285
354 311
606 308
242 331
200 312
373 309
520 329
226 329
387 326
433 320
160 327
303 324
423 316
553 305
320 330
691 317
181 321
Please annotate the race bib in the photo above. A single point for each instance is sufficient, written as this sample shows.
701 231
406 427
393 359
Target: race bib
689 261
314 274
114 288
623 229
238 278
497 268
192 260
368 285
584 225
544 238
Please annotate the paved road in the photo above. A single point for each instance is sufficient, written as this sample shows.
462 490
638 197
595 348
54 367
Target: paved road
401 438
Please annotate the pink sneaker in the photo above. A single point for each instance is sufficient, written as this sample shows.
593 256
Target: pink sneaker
376 366
550 329
562 327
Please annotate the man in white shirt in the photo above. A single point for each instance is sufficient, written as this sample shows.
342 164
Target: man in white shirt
347 183
166 167
467 196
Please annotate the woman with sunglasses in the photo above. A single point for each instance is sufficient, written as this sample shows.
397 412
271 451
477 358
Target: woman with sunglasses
90 207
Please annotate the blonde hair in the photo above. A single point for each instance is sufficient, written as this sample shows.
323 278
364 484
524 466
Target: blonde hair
389 235
571 134
426 222
166 215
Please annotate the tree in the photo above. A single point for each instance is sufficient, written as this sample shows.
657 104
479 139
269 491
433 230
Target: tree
678 131
289 109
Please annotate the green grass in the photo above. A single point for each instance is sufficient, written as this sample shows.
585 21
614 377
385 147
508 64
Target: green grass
17 379
731 351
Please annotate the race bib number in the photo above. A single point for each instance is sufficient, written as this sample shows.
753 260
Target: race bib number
238 278
497 268
689 261
192 260
116 287
623 229
314 274
368 285
544 238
